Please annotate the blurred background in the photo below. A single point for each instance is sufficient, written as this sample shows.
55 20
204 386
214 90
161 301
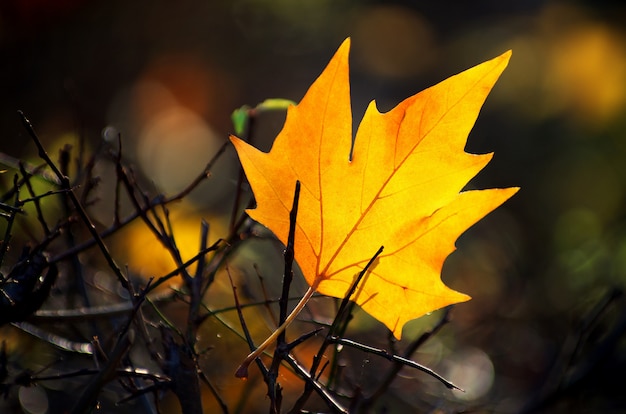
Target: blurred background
544 330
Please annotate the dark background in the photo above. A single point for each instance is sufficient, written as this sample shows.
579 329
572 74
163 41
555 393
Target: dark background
167 75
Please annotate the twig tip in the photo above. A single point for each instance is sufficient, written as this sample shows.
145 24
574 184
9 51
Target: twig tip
242 371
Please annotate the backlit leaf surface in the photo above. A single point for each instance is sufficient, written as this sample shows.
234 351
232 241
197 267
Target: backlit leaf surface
400 187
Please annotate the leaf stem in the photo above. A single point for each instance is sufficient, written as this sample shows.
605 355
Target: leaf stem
242 371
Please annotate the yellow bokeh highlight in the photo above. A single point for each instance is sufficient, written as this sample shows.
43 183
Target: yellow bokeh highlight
147 257
586 72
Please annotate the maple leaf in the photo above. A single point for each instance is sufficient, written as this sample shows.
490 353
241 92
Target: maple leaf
399 186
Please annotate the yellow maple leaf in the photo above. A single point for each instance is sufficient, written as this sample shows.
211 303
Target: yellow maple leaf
399 186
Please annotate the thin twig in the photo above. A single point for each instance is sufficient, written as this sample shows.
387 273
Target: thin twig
315 386
65 184
59 342
180 363
35 200
70 240
156 201
289 255
244 326
395 358
123 372
266 296
338 318
242 370
38 170
214 392
274 390
179 268
566 376
89 396
413 346
4 246
202 176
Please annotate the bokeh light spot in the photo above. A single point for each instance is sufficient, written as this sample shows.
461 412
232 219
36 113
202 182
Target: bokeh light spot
472 370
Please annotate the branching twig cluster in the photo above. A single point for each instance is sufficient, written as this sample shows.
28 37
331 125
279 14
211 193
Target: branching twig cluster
132 346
